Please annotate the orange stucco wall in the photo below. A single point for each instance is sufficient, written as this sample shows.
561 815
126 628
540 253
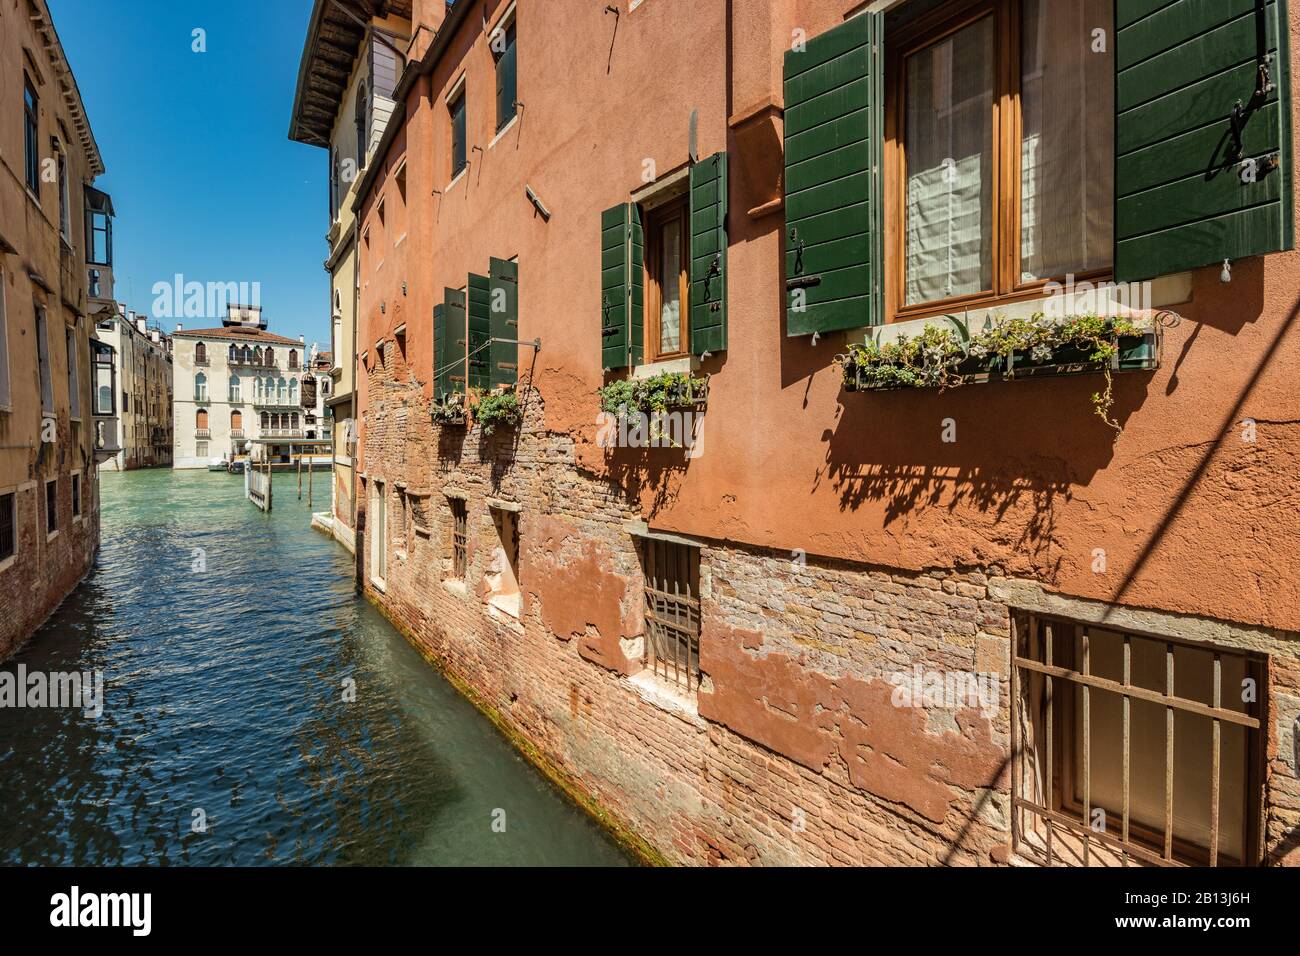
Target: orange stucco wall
1192 517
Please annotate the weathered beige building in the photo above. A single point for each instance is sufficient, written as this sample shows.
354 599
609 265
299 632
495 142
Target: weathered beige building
55 271
142 360
343 102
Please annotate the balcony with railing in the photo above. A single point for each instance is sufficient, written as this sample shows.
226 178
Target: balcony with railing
282 433
237 433
202 433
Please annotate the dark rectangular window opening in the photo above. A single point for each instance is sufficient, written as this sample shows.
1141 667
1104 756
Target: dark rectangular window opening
1133 750
672 610
8 525
503 49
76 496
31 135
459 537
52 506
458 154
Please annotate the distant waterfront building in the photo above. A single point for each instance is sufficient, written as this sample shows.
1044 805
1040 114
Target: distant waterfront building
142 359
232 385
317 386
350 63
55 275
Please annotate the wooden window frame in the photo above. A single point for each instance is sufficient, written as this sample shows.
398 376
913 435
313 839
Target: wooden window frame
678 208
907 40
1032 635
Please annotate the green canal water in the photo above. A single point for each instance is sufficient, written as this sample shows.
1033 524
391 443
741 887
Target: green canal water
227 639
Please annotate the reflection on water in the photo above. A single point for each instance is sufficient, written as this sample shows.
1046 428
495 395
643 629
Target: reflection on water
224 703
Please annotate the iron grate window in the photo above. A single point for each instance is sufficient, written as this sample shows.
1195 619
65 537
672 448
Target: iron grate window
8 526
459 537
672 610
1133 749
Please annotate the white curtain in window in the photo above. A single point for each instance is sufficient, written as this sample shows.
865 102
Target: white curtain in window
1068 137
949 142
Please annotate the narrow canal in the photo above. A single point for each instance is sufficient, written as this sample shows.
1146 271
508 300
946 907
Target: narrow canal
227 640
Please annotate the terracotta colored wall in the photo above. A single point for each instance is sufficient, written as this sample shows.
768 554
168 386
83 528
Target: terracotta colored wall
1191 517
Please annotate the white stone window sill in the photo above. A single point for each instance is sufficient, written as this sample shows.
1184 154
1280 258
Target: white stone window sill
52 535
504 129
455 179
666 697
8 563
1165 291
687 363
506 603
380 585
400 239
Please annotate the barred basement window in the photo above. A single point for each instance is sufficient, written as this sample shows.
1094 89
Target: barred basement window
8 526
1133 749
459 537
672 610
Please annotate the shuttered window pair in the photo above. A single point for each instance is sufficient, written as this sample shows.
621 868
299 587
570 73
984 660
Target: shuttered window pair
475 331
1187 165
623 268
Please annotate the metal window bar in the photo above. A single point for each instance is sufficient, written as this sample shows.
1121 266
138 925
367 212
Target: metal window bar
1033 631
459 538
672 611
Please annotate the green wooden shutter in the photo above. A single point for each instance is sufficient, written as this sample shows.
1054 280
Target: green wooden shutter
622 287
708 295
503 294
1180 199
450 350
439 351
480 332
834 138
636 282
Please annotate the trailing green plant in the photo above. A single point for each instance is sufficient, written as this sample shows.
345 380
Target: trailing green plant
497 408
944 357
657 393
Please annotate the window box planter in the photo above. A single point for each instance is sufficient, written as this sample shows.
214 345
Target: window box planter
450 410
495 410
942 357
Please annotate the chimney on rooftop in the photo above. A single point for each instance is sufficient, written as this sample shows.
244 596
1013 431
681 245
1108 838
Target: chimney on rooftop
179 327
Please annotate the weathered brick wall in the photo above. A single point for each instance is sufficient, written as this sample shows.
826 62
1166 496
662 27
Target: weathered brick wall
43 572
795 752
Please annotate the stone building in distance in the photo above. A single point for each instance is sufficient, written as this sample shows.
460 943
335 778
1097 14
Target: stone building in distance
1044 614
143 369
232 385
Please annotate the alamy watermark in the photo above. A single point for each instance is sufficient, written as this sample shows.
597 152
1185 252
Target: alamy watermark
64 689
667 429
946 690
181 299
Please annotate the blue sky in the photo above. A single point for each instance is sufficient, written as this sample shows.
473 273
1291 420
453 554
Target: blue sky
204 179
